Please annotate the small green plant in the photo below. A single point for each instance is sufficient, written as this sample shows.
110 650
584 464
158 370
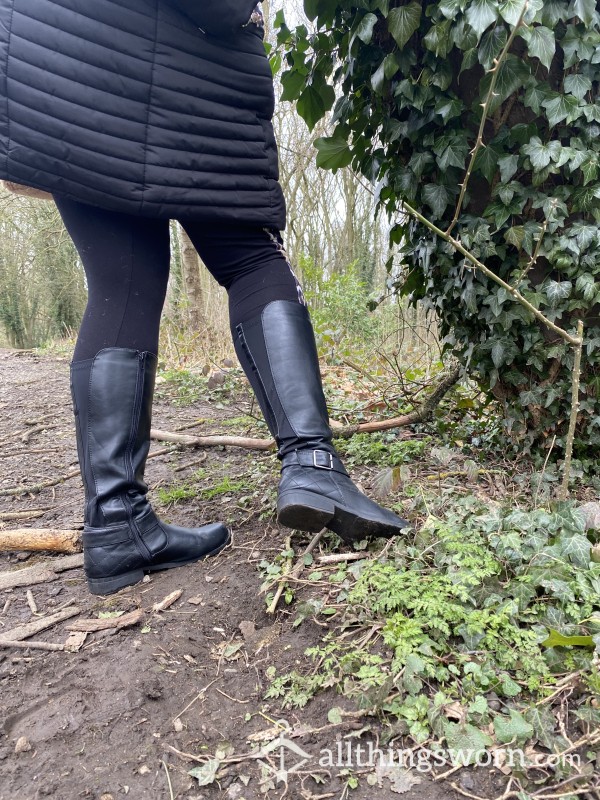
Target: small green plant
225 486
383 449
174 494
482 603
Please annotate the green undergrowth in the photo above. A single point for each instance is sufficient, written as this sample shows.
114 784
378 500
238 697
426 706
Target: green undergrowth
463 633
186 387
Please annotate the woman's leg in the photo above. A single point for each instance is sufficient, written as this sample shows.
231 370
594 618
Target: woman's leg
126 260
275 344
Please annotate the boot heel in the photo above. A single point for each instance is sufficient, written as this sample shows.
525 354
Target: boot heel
305 511
110 585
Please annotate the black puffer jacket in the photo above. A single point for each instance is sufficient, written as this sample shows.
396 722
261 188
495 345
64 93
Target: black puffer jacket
153 107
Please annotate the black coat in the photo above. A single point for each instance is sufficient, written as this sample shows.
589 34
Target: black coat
154 107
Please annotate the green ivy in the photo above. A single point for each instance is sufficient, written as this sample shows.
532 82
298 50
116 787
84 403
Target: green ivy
410 80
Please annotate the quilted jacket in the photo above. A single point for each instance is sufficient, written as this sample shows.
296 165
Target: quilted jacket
154 107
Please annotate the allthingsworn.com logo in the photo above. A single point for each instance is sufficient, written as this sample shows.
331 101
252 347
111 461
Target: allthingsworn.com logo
292 758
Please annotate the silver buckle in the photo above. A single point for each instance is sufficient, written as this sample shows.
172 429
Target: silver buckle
322 466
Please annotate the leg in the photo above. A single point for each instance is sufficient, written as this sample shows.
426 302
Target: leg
275 344
112 382
126 263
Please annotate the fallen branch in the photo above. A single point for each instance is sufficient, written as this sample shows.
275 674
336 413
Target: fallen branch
420 414
213 441
7 516
338 558
39 573
93 625
167 601
38 487
59 541
32 645
31 628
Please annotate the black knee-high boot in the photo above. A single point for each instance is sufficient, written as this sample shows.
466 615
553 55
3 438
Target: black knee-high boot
123 538
278 354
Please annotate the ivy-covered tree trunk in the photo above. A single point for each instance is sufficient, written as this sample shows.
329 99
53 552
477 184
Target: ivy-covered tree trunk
412 81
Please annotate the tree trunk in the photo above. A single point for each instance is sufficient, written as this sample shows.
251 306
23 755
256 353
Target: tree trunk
190 268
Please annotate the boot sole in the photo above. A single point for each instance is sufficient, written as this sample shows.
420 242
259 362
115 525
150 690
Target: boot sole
104 586
307 511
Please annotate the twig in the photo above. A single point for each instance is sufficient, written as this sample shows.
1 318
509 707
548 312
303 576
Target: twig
337 558
92 625
7 516
198 696
533 260
38 487
295 572
168 780
486 107
213 441
33 645
564 490
31 628
38 429
167 601
31 602
492 275
342 432
229 697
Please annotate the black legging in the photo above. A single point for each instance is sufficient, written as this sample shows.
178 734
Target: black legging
126 261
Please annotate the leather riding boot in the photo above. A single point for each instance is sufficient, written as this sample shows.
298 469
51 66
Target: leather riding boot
278 354
122 537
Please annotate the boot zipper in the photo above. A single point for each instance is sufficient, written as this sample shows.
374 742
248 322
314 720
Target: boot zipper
128 460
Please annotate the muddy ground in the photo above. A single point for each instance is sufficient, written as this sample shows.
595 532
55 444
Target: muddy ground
132 711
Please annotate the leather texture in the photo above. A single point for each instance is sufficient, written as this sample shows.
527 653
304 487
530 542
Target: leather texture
279 350
112 398
278 353
132 107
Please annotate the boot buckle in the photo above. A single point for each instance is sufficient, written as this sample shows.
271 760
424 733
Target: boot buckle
328 456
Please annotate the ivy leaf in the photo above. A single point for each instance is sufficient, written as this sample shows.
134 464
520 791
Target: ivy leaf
562 107
481 14
365 28
207 773
314 103
585 10
385 71
487 162
334 152
543 722
293 82
578 85
557 291
541 44
498 353
508 166
577 548
559 589
535 95
466 742
491 46
556 639
515 728
403 22
437 198
511 11
541 154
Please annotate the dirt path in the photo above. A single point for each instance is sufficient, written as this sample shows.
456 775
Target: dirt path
117 717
